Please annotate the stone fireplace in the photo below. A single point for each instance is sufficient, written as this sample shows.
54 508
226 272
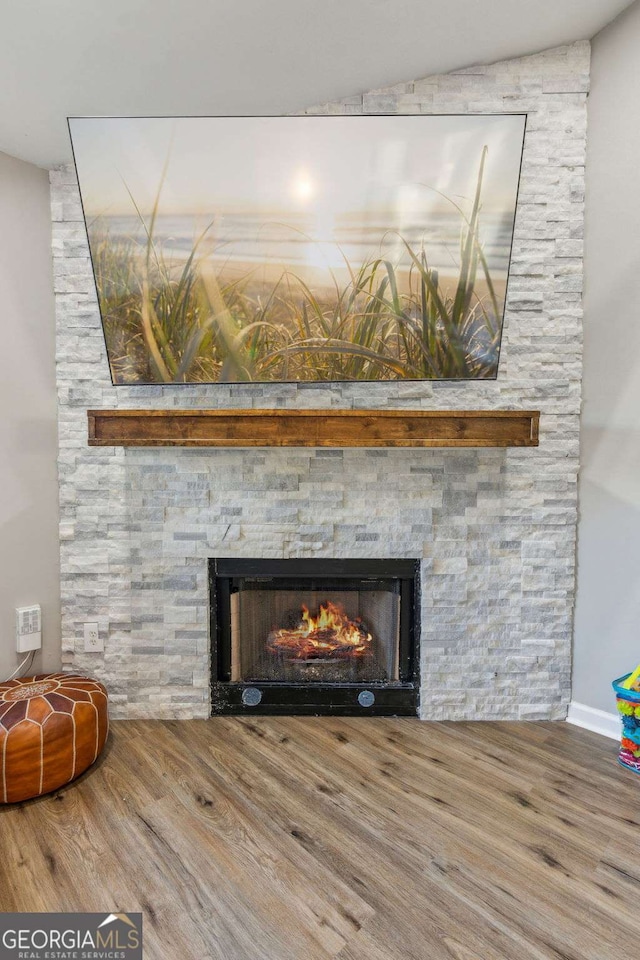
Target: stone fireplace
492 530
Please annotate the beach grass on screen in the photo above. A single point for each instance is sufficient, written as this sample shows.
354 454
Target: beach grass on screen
171 319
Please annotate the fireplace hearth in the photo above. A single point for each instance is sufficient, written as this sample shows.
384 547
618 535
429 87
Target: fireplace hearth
314 636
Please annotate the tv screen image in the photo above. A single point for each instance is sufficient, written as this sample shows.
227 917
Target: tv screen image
324 248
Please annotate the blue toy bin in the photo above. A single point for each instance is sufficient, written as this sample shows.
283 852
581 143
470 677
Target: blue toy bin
628 703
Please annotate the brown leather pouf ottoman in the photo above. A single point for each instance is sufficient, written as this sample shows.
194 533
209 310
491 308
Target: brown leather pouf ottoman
52 727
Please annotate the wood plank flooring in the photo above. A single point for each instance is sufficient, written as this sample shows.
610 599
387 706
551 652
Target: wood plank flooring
354 839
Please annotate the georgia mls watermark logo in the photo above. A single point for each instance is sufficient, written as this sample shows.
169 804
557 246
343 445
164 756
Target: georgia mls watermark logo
70 936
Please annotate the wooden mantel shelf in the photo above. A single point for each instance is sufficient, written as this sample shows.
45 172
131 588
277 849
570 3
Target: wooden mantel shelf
313 428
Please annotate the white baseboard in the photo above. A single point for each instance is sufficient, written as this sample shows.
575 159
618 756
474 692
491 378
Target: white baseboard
598 721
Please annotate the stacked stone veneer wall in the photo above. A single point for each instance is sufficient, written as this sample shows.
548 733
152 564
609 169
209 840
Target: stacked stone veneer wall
495 528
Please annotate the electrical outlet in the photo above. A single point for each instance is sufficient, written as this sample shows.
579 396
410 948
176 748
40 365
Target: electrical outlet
28 628
93 642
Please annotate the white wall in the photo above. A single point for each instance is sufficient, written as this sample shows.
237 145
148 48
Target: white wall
29 556
607 621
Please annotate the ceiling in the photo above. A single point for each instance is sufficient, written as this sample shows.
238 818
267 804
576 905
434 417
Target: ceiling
208 57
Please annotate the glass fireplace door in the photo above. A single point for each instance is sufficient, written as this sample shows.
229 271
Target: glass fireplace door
322 631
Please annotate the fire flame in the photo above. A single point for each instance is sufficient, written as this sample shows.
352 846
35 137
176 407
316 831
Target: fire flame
330 635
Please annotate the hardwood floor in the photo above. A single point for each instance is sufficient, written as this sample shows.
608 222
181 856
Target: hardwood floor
357 839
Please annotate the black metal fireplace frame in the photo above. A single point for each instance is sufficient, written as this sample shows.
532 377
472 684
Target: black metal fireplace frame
389 698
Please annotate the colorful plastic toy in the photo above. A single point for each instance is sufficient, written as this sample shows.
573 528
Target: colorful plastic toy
633 681
628 703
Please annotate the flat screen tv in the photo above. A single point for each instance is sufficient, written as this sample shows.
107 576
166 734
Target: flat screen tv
259 249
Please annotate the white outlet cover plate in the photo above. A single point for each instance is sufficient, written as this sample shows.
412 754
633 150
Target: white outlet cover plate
28 628
93 642
27 642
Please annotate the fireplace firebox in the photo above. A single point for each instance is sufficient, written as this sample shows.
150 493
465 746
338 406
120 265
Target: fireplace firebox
314 636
